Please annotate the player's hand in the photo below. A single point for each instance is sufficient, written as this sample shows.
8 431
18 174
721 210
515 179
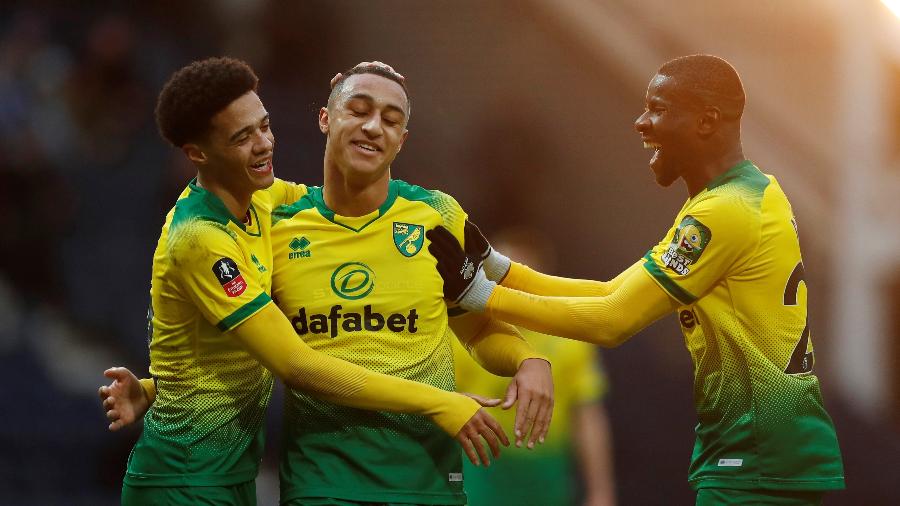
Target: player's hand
476 243
481 426
461 272
385 66
124 400
532 386
496 265
484 401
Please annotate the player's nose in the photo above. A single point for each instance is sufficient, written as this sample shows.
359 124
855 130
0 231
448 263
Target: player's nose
642 124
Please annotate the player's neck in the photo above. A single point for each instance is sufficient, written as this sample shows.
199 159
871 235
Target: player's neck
348 197
704 171
237 203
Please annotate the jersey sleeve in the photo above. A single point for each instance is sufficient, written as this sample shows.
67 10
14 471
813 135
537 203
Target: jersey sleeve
712 239
285 192
453 216
215 274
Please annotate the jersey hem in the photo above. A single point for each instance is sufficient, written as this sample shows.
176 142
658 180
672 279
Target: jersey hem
189 480
768 484
373 496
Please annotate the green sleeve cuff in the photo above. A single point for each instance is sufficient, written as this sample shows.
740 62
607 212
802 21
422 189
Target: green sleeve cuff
680 294
246 311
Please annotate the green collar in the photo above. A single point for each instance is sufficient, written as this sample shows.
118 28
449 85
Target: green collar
219 212
742 168
318 199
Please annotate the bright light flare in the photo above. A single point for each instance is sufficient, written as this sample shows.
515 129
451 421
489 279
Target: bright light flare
893 5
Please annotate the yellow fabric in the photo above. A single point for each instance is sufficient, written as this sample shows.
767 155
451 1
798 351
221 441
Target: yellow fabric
378 265
496 346
268 335
577 377
365 289
525 279
149 388
606 321
211 271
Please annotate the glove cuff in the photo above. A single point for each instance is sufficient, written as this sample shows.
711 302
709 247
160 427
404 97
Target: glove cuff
496 265
476 298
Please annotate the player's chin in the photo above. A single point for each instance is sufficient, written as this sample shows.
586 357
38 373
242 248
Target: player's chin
664 176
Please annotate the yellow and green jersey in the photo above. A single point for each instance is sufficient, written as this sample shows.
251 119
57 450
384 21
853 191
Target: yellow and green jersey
210 273
365 290
545 475
732 262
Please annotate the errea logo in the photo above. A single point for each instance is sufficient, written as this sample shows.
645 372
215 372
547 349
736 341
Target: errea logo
299 248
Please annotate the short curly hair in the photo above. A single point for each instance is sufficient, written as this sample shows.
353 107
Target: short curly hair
196 92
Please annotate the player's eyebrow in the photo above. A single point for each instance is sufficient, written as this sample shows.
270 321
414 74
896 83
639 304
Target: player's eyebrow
371 99
235 136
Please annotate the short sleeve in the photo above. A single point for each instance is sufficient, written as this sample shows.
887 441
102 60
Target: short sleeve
215 273
711 239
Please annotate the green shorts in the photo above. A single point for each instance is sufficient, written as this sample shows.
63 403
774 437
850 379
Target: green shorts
242 494
731 497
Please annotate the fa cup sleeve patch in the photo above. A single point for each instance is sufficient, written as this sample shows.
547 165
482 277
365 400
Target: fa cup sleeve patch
229 277
689 242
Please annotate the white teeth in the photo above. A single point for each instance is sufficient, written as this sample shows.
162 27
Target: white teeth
260 164
367 147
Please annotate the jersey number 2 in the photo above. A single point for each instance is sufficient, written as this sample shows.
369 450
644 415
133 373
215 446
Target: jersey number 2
801 361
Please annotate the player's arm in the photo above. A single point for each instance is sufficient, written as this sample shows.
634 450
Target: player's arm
590 425
593 452
500 349
271 339
511 274
607 321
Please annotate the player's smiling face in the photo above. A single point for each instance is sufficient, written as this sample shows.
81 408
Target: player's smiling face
666 127
240 145
365 126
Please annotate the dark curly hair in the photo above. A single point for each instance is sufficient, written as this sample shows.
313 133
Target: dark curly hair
369 69
195 93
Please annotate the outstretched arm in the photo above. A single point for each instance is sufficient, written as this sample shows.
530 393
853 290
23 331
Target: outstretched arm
523 278
608 321
511 274
269 337
500 349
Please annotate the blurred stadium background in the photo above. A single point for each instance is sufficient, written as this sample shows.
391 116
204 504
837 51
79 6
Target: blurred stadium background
523 110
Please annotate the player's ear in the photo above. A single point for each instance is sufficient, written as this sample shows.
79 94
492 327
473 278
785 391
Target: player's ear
709 120
194 153
402 140
323 120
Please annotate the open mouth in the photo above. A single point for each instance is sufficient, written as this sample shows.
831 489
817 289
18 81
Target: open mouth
262 167
366 147
655 146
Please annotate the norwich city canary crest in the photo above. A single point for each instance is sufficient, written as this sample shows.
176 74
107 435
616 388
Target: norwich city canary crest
408 238
688 243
